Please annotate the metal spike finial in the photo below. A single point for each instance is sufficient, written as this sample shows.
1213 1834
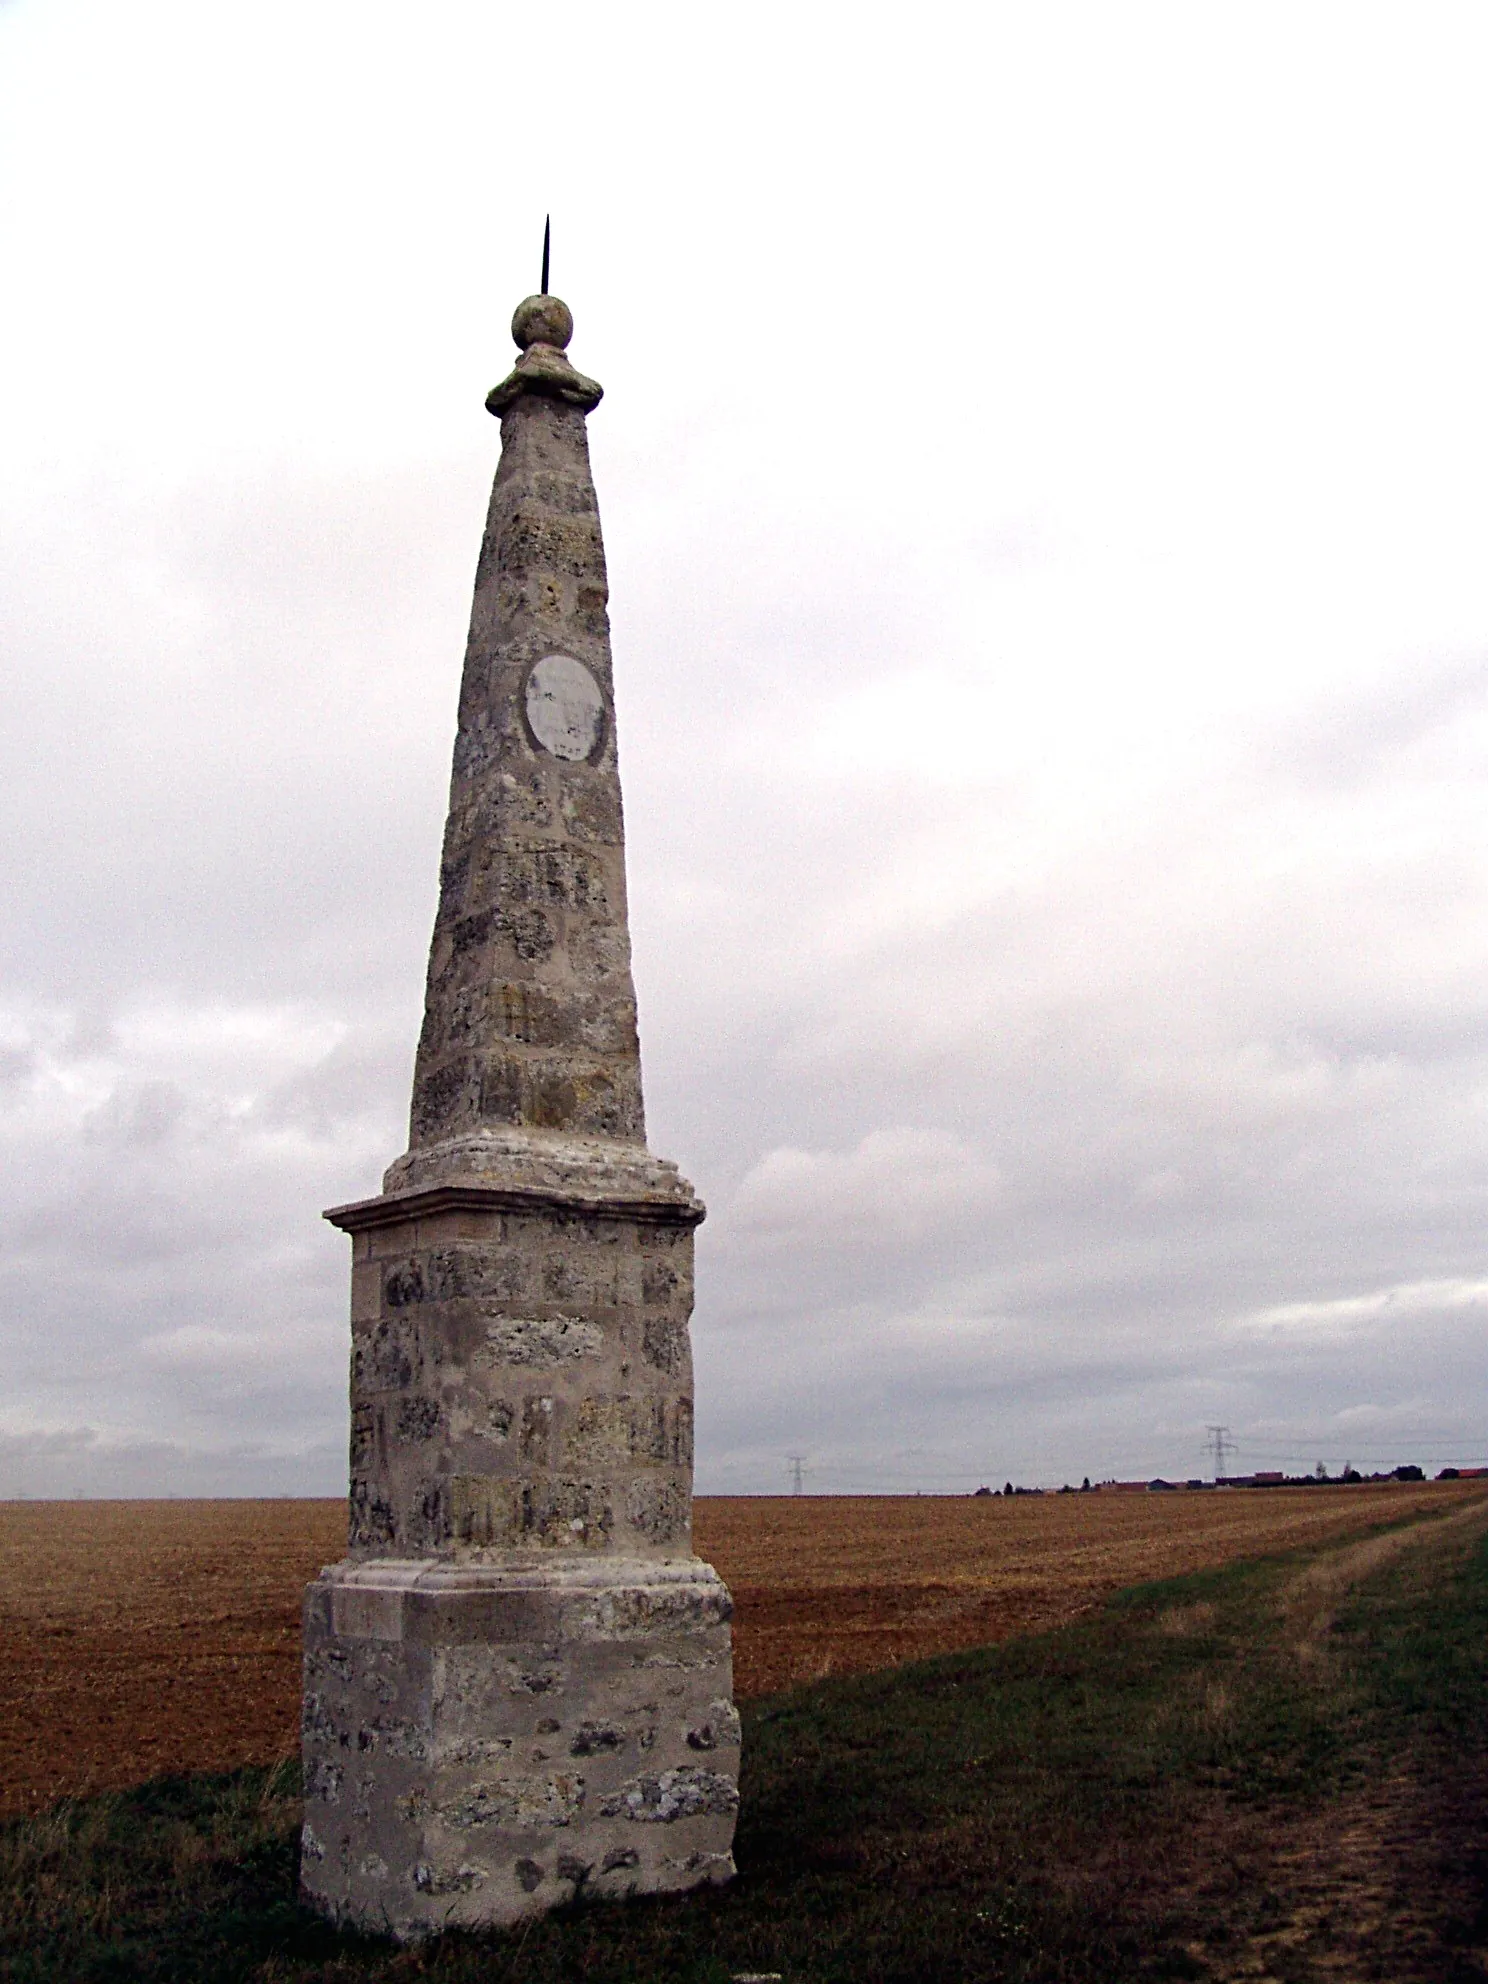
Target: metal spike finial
547 243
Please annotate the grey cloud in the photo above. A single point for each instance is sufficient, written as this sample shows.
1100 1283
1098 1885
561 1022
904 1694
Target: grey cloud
142 1116
82 1461
1002 1123
894 1189
1365 736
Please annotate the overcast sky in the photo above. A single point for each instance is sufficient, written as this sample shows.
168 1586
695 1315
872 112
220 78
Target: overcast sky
1043 475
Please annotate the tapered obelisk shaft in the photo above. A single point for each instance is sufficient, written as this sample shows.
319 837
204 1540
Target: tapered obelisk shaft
517 1682
530 1020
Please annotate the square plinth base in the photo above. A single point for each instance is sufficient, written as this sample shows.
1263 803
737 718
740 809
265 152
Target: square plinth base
483 1742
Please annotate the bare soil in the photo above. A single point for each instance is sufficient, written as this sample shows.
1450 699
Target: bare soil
143 1637
843 1584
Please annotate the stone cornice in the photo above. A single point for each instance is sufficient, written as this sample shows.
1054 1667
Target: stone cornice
394 1208
542 368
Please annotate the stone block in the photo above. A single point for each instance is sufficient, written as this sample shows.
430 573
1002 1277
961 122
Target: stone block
480 1744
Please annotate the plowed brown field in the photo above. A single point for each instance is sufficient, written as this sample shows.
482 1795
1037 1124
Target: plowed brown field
140 1637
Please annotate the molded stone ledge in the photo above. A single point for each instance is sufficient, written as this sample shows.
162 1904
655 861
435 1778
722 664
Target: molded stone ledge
542 368
616 1599
510 1170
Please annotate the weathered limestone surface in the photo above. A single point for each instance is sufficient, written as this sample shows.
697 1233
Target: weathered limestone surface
518 1682
481 1743
530 1016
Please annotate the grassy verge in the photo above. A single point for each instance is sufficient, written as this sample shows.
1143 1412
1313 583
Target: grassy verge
1257 1763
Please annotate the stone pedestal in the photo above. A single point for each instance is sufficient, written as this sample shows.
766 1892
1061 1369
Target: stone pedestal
481 1742
518 1683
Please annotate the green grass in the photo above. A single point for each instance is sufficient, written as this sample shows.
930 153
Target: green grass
1101 1803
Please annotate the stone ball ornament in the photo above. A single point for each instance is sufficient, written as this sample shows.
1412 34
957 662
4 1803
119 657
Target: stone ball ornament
542 326
565 708
542 320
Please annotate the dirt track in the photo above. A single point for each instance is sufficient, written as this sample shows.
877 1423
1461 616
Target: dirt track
140 1637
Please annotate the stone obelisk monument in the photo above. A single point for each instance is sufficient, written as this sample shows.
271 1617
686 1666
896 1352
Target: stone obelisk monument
518 1680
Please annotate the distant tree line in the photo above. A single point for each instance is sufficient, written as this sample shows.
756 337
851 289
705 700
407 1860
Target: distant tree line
1320 1477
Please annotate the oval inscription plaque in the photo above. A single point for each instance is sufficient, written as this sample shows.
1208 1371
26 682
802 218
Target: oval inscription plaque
565 707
